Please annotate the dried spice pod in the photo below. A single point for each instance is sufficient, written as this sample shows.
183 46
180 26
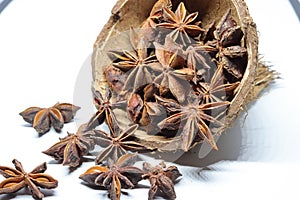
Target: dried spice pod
224 30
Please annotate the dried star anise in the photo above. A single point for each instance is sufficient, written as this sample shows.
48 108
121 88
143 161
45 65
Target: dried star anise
228 35
138 64
105 112
217 90
115 78
42 118
181 24
172 76
161 178
73 147
114 176
116 144
17 179
193 120
142 107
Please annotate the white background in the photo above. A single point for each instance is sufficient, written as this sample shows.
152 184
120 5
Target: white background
45 44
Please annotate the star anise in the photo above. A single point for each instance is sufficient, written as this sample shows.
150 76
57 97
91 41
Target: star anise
17 178
172 76
217 90
193 120
138 64
161 178
228 35
42 118
70 149
115 78
148 29
116 144
141 106
105 111
114 176
181 24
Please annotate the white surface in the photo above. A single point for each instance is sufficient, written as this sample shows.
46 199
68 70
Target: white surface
43 45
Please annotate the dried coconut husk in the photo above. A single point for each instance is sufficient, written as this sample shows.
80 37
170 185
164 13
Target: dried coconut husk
132 13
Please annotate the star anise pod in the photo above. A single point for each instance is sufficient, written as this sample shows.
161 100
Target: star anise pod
217 90
105 111
114 176
161 178
148 30
17 178
42 118
171 75
116 144
137 64
181 24
70 149
228 35
115 78
142 107
193 120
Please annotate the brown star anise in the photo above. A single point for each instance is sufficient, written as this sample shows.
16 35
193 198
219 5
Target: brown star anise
114 176
115 78
181 24
193 120
73 147
142 107
172 76
17 179
138 64
228 35
148 28
161 178
116 144
217 90
105 112
42 118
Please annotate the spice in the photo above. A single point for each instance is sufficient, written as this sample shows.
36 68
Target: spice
181 24
114 175
161 179
191 119
17 179
70 149
116 144
42 118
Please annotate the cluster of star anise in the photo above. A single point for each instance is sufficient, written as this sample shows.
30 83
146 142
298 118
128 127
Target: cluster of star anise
180 77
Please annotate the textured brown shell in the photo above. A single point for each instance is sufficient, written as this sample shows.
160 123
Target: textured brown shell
131 13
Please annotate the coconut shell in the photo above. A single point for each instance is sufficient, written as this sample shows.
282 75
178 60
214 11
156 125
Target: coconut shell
132 13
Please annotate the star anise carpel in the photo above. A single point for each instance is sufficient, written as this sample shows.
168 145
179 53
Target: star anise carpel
115 175
42 118
17 178
181 24
71 149
116 144
194 121
161 178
